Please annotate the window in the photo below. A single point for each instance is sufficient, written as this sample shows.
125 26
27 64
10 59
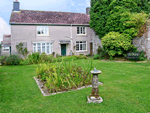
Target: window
42 47
81 45
42 30
81 30
6 49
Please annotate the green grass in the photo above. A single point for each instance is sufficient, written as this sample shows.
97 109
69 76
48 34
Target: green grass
126 89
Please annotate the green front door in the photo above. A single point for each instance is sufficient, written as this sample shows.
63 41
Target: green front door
63 49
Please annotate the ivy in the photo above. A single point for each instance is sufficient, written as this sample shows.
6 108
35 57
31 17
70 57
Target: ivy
123 16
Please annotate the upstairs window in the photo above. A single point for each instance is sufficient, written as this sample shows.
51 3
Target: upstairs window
42 30
81 30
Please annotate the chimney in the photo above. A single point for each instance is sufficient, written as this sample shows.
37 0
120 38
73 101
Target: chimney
16 6
88 10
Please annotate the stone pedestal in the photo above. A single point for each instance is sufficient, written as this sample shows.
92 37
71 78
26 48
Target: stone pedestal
94 97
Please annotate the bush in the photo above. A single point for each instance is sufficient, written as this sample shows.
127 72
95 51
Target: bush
25 61
99 50
96 56
2 59
115 43
34 58
142 56
13 60
80 56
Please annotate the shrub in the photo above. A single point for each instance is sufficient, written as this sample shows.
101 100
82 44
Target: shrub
80 56
99 50
2 59
96 56
13 60
115 43
34 58
44 57
142 56
25 61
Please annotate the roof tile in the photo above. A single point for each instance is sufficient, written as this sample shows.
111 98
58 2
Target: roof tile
30 16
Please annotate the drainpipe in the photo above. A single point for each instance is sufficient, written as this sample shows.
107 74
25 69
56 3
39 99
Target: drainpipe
71 38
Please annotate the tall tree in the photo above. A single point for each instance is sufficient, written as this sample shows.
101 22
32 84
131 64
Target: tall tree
117 15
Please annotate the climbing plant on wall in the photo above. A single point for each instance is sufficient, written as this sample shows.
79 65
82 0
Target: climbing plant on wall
124 18
111 15
21 50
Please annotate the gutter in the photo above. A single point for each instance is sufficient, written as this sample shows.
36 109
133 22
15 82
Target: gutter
14 23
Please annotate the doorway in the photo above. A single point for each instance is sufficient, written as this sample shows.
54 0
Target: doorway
91 48
63 49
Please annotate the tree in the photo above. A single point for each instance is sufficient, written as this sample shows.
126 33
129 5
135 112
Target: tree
111 15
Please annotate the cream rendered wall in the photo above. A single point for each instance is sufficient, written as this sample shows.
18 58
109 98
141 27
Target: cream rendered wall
27 33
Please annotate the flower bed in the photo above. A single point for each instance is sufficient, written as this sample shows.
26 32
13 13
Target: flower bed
63 77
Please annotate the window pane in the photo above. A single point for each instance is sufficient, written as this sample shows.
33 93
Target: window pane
51 49
34 49
43 47
48 49
34 44
77 47
46 30
84 41
84 46
39 47
83 30
77 30
77 41
80 41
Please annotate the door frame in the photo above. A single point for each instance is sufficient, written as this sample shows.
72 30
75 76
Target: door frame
66 49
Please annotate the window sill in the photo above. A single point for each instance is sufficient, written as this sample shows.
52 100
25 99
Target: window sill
82 51
6 51
80 35
41 35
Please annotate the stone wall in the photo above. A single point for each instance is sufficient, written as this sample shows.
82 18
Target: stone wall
96 42
143 43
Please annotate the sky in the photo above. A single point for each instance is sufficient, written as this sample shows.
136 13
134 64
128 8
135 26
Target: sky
6 6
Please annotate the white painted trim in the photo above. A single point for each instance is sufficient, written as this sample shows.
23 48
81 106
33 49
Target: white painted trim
50 47
79 46
40 27
82 31
5 51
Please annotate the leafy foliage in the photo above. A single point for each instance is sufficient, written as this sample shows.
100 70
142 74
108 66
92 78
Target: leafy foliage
21 50
60 77
13 60
116 43
123 16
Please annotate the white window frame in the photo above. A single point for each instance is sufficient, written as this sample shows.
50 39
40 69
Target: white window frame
45 28
80 30
82 46
3 48
50 47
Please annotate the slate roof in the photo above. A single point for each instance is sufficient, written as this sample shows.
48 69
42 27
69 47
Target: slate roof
6 40
7 35
48 17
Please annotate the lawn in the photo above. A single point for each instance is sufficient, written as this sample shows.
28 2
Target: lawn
126 89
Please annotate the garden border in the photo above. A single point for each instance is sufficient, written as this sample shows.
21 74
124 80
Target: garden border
46 93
